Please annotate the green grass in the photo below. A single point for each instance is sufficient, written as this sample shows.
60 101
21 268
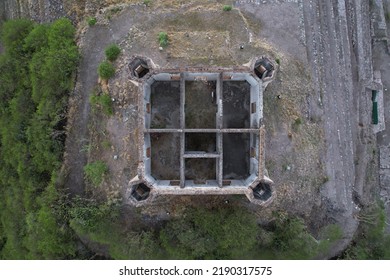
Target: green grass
95 171
163 39
102 101
227 8
106 70
106 144
91 21
112 52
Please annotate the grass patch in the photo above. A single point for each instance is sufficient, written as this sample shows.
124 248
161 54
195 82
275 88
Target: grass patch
296 124
94 172
112 52
106 144
91 21
102 101
227 8
106 70
163 39
147 3
113 11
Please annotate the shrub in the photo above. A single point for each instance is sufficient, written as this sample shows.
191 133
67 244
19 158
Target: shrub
147 2
95 172
91 21
227 8
277 60
163 39
112 52
106 70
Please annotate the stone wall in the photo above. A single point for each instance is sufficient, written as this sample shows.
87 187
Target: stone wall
37 10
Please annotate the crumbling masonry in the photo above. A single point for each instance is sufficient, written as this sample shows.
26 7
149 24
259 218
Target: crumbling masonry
203 131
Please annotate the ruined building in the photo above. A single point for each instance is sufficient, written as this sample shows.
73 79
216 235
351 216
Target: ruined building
203 131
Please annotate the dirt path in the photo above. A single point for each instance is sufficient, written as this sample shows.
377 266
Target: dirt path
93 43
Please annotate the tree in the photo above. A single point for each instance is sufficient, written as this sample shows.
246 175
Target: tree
13 34
223 233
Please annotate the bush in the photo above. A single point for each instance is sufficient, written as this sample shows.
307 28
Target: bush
227 8
163 39
95 172
112 52
91 21
106 70
277 60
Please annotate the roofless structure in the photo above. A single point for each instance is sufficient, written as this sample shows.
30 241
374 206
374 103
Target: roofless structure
203 131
